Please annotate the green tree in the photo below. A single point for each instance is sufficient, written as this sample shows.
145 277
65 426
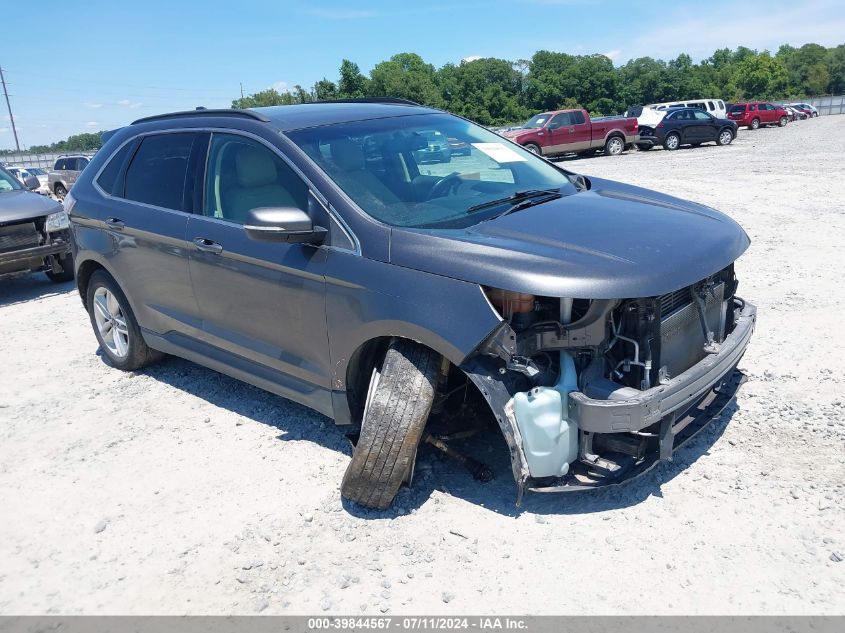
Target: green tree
325 90
761 76
352 83
835 61
405 76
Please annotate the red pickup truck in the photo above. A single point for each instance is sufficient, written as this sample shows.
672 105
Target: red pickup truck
564 131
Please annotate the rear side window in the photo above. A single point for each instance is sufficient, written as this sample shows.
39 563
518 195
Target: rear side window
577 117
60 164
752 107
113 171
710 106
157 173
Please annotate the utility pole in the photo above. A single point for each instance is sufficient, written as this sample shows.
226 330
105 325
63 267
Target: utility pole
242 90
9 106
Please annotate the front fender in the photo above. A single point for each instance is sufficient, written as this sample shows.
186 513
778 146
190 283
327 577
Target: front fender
368 299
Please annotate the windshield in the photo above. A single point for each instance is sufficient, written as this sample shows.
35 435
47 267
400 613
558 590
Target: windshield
394 172
538 120
8 182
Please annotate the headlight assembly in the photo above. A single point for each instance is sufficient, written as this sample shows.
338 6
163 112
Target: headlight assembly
57 221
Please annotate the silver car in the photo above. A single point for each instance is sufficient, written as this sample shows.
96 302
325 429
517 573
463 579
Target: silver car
65 172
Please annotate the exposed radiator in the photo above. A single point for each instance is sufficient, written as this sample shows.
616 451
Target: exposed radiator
681 338
15 237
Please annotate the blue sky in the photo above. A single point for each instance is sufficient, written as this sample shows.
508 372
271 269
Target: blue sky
90 65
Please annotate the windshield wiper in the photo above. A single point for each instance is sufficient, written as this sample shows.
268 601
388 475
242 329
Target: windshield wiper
516 198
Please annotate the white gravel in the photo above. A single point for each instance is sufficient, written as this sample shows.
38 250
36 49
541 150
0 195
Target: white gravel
178 490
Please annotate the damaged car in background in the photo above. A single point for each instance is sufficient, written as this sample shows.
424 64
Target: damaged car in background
33 231
305 249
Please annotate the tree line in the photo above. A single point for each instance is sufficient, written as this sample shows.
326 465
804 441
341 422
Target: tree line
494 91
87 141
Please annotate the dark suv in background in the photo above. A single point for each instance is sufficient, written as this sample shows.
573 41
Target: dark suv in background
304 249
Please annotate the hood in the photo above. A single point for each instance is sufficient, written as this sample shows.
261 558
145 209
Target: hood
520 131
22 205
612 242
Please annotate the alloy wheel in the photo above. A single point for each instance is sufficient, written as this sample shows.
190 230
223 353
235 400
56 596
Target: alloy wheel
111 322
615 146
725 137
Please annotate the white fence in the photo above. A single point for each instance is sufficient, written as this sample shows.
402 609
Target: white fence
28 159
829 105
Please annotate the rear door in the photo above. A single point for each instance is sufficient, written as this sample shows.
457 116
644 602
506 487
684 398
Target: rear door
705 126
582 130
149 188
262 303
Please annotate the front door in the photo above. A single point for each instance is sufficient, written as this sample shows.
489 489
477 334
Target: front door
262 303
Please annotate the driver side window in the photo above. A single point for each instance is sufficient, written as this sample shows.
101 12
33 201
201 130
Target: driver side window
244 174
702 116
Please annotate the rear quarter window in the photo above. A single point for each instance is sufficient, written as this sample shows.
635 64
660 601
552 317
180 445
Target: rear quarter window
111 178
157 172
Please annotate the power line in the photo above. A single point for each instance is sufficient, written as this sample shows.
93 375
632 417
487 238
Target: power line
9 106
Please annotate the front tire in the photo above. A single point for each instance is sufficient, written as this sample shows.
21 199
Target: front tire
783 121
672 141
725 137
115 326
534 148
614 146
60 191
399 401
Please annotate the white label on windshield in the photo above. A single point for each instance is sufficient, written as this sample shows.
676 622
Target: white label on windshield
499 152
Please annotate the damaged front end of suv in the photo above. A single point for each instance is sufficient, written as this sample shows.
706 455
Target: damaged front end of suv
590 393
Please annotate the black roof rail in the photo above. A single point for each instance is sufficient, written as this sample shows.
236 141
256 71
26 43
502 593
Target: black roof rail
205 112
394 100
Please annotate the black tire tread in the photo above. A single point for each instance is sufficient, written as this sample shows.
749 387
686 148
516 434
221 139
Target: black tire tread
393 426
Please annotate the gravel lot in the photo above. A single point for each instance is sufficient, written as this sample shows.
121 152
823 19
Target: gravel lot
178 490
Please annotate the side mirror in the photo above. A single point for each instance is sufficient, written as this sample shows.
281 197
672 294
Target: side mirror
283 224
31 182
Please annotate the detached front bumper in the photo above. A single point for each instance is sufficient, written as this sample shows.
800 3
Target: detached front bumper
678 394
677 411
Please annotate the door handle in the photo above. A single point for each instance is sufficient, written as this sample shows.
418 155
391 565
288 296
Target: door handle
572 130
207 246
115 223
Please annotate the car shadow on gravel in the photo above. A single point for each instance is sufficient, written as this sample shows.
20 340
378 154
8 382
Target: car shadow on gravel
24 287
434 472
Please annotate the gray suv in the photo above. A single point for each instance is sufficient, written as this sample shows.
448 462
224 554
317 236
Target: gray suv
65 172
305 250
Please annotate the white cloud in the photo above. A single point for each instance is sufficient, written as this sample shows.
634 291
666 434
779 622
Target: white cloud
92 124
94 105
281 86
126 103
3 130
820 21
612 55
472 58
